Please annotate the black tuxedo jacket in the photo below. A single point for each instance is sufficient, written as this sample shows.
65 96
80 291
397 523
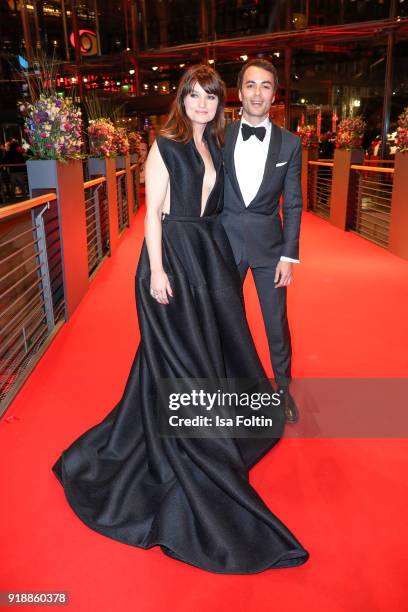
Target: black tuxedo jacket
256 232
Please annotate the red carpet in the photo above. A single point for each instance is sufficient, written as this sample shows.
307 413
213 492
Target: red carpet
344 499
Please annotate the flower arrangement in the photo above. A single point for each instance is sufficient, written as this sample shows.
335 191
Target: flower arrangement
134 139
350 133
401 139
53 127
308 136
101 134
120 141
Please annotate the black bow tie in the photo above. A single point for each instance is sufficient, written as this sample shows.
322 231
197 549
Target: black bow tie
248 131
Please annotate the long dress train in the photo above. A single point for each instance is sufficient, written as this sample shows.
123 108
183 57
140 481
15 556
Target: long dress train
190 496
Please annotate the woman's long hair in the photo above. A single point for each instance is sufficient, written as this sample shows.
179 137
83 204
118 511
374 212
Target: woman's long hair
178 126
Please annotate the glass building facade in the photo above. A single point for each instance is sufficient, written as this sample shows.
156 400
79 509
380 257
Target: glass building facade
331 55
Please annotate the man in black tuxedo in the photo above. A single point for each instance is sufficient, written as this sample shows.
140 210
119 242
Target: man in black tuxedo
262 163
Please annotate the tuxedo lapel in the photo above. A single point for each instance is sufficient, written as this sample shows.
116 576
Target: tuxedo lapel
275 144
229 158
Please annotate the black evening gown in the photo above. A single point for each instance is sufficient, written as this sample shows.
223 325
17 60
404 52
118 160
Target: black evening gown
190 496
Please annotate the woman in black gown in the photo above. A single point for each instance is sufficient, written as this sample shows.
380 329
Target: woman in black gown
190 496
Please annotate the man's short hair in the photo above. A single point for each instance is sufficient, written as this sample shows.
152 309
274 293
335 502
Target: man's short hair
259 63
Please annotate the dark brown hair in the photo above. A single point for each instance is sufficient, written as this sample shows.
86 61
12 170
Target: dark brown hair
178 126
259 63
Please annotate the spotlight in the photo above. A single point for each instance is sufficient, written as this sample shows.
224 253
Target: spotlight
155 67
132 71
181 65
211 61
244 57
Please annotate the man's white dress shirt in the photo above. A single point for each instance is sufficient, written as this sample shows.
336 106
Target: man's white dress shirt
250 159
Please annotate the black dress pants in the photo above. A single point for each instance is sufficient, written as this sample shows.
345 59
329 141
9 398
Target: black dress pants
273 306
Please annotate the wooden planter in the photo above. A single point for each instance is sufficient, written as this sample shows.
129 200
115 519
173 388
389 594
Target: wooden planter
97 166
66 180
342 187
398 241
120 162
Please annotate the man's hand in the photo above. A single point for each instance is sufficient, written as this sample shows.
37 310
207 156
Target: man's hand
283 274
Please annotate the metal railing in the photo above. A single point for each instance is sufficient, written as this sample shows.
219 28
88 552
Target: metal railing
319 184
379 162
134 169
123 214
371 208
97 221
32 303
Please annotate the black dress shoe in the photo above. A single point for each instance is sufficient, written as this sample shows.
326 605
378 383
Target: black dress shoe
288 405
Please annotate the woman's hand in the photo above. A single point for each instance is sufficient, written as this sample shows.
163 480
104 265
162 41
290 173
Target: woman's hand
160 287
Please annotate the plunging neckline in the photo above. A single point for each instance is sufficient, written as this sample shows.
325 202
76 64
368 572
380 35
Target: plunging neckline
203 210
